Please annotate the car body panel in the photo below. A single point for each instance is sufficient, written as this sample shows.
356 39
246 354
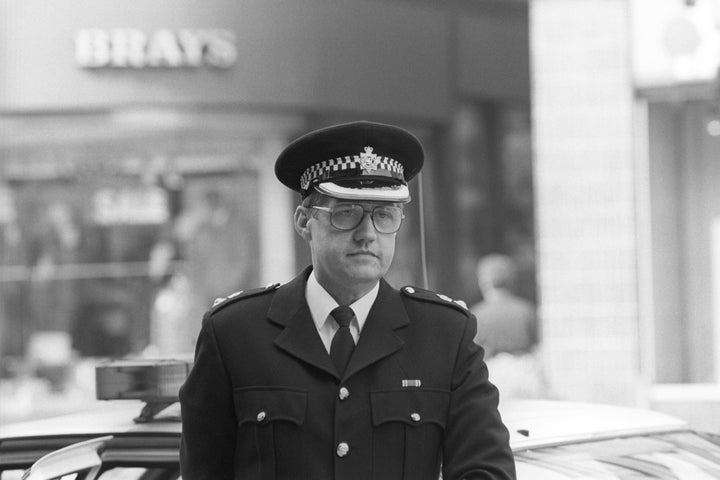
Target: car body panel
115 416
536 423
551 440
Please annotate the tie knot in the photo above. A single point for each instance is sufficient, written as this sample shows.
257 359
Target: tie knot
342 315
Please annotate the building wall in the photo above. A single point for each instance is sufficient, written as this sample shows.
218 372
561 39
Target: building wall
585 178
497 38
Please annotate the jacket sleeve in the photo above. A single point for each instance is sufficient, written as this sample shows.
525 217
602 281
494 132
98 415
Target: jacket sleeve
476 442
208 415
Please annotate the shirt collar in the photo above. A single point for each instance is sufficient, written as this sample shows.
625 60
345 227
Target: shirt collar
321 303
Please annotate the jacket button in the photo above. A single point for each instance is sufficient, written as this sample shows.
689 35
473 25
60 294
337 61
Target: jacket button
344 393
260 416
415 417
342 449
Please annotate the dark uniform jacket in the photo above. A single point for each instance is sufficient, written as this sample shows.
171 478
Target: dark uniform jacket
264 401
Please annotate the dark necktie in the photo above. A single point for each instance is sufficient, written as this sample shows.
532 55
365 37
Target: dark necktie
342 343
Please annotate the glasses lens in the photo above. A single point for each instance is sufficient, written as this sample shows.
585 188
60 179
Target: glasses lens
387 219
346 216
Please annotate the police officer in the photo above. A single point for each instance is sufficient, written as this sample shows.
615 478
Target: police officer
336 374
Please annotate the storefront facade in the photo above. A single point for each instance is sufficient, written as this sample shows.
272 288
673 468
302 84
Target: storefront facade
137 145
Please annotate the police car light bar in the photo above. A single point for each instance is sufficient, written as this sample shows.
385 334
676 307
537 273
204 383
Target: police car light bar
155 382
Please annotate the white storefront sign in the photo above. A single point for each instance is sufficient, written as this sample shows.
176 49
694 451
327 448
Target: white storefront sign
133 48
130 206
675 41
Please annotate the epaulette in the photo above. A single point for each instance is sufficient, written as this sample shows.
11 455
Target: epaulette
434 297
222 302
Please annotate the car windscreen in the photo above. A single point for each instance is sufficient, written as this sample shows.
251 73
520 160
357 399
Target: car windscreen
674 456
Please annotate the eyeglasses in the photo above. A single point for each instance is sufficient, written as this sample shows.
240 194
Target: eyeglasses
346 216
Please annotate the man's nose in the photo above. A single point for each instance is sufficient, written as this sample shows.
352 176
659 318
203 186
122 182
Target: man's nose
366 229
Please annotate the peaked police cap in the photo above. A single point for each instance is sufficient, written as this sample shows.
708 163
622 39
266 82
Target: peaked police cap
354 161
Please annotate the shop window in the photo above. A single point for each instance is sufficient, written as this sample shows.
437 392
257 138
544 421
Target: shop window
685 218
121 241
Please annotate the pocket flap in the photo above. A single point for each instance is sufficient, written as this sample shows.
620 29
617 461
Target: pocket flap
263 405
412 407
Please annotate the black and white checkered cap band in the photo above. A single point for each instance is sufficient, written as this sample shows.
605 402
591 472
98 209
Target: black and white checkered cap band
381 166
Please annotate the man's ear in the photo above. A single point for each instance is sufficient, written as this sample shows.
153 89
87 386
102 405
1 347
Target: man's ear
301 218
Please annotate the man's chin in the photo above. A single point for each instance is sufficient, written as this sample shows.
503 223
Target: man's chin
365 273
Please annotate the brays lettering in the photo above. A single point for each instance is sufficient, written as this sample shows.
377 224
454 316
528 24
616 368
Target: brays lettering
164 48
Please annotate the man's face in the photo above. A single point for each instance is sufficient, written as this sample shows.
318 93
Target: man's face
354 258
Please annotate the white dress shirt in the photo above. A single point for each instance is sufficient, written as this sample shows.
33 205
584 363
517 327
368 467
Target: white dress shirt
321 304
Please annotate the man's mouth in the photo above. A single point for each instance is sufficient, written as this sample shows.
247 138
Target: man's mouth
362 253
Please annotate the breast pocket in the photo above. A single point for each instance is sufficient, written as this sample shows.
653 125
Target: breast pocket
409 425
270 423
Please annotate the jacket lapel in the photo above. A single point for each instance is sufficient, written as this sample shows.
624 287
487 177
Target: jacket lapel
378 338
299 338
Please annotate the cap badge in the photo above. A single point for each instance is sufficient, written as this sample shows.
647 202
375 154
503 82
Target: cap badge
369 161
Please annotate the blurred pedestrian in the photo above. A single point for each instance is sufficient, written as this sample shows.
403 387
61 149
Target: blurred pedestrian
212 246
506 321
56 243
508 329
14 305
337 375
173 328
211 238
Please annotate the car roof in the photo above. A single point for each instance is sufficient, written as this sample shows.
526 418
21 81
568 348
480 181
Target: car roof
113 416
538 423
531 423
